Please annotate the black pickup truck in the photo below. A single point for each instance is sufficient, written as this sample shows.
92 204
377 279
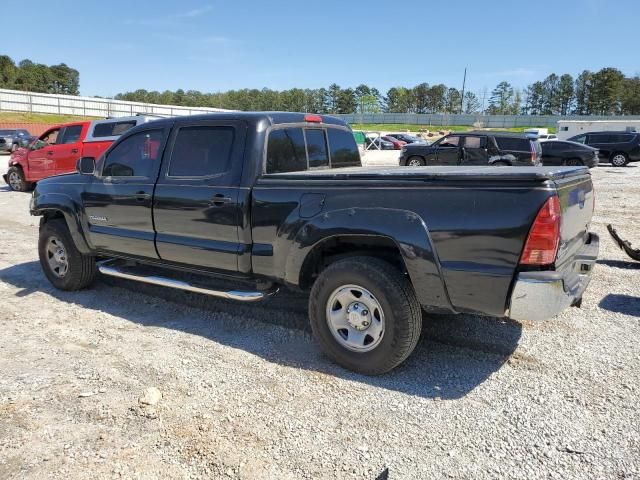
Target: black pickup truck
266 200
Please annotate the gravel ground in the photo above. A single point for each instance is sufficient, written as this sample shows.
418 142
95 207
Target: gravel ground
243 392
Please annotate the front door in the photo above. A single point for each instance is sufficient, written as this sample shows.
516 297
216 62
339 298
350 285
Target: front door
67 150
40 159
448 151
198 208
475 150
119 200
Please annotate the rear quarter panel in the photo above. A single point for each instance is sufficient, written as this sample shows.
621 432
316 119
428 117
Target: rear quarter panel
474 234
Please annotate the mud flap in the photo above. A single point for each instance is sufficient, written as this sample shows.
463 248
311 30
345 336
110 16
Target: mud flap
624 244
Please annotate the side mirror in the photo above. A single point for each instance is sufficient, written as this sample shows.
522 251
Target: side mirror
86 165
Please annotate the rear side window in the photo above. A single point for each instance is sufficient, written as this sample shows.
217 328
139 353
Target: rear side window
111 129
317 148
71 134
201 151
623 138
602 138
514 144
134 156
286 151
474 142
344 151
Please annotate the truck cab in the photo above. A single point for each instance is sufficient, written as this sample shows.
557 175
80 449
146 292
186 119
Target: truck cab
58 149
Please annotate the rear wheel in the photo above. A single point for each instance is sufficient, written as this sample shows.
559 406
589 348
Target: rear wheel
416 162
365 315
16 180
63 264
619 159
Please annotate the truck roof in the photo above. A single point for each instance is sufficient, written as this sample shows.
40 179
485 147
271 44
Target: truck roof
273 118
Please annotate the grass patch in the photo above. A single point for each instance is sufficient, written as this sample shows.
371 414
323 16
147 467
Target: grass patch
25 117
403 127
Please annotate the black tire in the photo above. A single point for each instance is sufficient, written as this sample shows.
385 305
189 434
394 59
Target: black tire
81 269
501 164
619 159
573 162
401 310
16 180
417 161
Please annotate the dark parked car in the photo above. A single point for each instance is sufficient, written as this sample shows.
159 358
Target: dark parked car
555 152
619 148
274 200
405 137
475 148
10 139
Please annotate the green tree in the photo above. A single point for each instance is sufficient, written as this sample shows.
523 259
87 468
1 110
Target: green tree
606 91
566 94
630 100
582 89
471 103
501 99
8 71
452 101
346 101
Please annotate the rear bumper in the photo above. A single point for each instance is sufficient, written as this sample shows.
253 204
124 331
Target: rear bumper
543 295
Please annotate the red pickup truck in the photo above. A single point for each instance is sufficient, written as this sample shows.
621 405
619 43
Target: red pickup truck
58 149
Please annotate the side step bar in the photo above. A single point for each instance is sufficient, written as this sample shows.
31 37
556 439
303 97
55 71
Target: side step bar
108 268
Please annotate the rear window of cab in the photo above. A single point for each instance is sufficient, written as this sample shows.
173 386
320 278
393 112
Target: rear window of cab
297 149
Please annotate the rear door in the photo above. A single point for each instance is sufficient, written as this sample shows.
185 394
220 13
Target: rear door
197 204
118 201
552 153
521 149
68 149
448 150
601 141
474 150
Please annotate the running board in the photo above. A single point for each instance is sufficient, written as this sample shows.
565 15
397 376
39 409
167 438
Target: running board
108 268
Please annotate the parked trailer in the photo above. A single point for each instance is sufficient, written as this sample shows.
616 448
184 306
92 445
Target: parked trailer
568 128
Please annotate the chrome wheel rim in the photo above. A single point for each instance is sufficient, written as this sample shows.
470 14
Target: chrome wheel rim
57 257
355 318
415 163
14 181
618 160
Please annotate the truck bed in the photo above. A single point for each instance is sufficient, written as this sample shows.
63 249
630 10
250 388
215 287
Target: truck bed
480 173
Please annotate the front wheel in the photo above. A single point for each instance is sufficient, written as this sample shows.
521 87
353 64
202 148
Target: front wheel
16 180
365 315
62 263
416 162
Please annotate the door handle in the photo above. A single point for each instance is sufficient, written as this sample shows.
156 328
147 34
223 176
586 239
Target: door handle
142 196
219 200
50 152
74 150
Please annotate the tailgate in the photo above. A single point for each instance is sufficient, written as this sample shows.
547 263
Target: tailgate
577 202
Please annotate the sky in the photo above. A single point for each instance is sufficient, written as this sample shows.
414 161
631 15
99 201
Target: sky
214 45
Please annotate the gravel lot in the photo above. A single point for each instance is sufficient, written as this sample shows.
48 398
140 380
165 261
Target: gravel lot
245 392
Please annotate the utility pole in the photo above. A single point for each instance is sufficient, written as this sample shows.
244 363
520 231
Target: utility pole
464 82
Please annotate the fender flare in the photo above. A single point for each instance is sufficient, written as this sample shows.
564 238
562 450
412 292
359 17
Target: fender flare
405 228
59 202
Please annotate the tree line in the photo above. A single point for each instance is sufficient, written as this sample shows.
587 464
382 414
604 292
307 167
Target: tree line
605 92
37 77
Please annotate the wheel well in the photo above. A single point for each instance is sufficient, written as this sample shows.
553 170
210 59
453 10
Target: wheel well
49 215
579 160
617 152
337 248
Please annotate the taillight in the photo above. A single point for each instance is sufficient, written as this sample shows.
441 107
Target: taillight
313 118
542 243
